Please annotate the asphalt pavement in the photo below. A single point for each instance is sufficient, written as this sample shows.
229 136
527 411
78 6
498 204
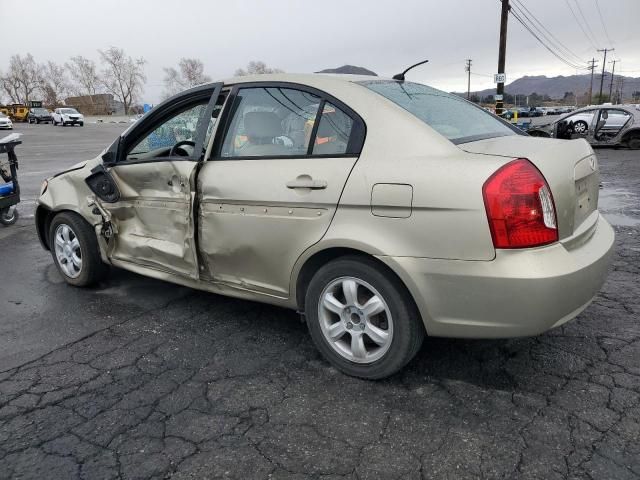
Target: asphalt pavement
137 378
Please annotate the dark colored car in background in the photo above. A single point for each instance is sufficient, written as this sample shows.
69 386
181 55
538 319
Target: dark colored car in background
39 115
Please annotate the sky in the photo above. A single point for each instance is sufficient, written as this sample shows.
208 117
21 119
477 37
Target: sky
307 36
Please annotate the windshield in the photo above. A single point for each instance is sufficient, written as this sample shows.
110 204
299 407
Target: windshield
451 116
40 110
68 110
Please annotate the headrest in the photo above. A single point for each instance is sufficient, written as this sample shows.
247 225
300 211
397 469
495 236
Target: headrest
262 125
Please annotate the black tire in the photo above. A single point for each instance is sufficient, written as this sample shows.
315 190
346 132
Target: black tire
9 215
580 127
93 269
408 329
633 142
81 124
37 122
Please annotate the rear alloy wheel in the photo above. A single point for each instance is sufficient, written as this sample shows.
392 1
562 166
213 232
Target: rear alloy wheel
74 248
634 142
361 319
580 127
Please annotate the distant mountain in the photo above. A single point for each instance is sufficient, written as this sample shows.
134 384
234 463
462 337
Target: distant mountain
349 69
556 87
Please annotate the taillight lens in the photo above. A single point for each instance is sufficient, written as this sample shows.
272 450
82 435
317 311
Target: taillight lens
520 206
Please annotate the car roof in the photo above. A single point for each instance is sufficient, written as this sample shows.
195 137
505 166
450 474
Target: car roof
330 79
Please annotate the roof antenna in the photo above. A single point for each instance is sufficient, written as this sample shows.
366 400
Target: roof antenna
400 76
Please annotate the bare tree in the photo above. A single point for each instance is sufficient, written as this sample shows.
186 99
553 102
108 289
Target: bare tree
54 84
84 77
123 76
191 73
256 67
22 79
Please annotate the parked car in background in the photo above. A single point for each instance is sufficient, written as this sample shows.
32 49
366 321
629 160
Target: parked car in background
39 115
5 122
67 116
312 192
616 125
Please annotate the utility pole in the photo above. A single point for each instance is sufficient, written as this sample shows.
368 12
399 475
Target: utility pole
592 67
502 52
604 62
613 70
468 70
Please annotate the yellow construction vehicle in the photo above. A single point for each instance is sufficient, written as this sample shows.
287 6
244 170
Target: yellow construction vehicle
17 111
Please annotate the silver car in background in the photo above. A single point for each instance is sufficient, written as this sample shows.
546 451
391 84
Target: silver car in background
605 125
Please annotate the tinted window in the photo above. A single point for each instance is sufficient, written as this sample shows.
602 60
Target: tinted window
450 115
333 133
271 121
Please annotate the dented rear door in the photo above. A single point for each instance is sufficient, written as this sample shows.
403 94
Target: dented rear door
273 185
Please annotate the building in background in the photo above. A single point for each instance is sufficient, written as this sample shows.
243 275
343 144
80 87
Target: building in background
99 104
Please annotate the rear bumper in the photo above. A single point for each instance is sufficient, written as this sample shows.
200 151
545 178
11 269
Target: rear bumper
519 293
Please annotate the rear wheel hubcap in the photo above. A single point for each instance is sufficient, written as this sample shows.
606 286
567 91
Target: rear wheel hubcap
355 320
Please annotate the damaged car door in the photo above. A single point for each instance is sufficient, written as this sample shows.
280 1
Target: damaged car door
273 183
154 172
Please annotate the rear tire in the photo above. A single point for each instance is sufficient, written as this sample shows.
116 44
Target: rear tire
9 215
337 323
633 142
75 251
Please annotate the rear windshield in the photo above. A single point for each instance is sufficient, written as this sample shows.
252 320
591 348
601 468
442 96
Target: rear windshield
448 114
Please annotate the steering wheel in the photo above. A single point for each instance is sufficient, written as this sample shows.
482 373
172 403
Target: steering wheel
174 149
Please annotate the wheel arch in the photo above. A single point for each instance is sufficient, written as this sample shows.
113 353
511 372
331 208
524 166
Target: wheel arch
631 133
43 217
313 262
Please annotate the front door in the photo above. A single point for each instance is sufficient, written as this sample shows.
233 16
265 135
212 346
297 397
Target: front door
273 184
155 174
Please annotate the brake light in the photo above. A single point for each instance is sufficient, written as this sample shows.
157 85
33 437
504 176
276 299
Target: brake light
520 206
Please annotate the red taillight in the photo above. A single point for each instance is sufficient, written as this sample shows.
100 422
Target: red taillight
520 206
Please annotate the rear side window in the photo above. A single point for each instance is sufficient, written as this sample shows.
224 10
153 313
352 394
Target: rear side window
271 122
448 114
333 132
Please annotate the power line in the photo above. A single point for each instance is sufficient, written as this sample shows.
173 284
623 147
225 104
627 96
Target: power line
551 38
580 25
550 49
585 21
604 26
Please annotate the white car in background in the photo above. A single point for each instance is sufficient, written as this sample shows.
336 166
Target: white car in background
67 116
5 122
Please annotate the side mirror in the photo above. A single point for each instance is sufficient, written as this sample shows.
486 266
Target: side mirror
110 157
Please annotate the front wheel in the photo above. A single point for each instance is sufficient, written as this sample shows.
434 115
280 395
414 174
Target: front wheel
580 127
75 251
362 319
9 215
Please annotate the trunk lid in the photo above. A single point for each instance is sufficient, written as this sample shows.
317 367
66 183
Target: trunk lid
569 166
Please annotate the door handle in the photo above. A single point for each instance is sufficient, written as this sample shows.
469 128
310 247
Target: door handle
307 183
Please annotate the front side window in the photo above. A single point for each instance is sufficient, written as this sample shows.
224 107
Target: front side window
181 127
271 121
451 116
